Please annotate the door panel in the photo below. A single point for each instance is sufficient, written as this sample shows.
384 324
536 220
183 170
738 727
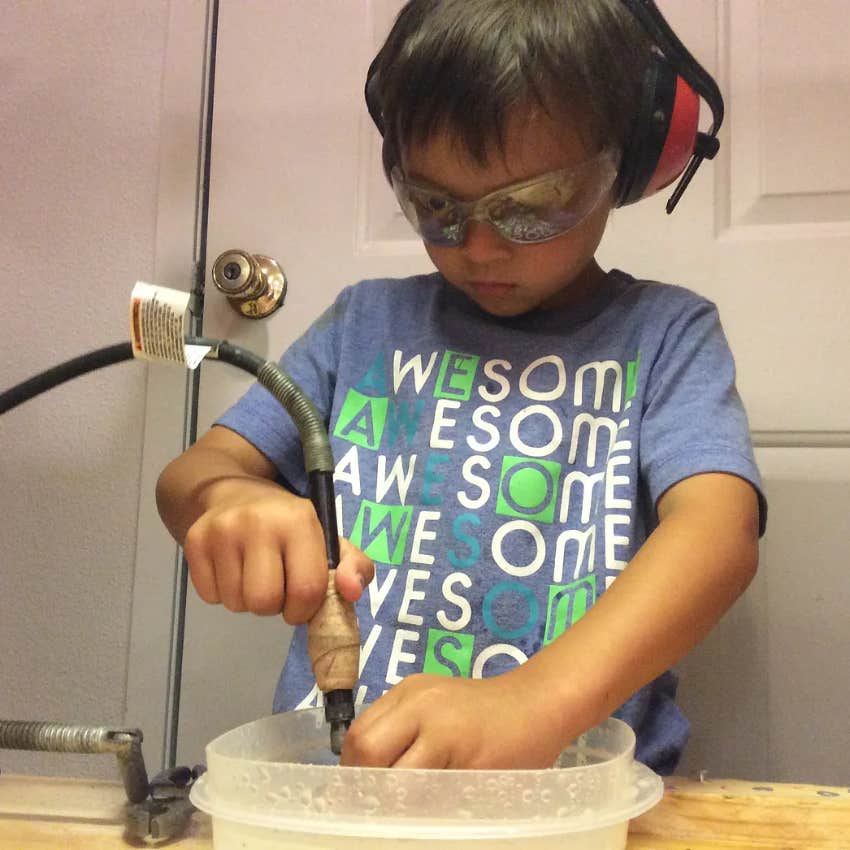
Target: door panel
766 692
296 175
764 232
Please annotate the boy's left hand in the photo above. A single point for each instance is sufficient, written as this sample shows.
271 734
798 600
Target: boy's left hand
429 721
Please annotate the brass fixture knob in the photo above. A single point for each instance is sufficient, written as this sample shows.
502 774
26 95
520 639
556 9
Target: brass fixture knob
254 285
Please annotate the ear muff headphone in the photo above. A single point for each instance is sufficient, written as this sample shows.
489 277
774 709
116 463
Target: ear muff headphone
665 142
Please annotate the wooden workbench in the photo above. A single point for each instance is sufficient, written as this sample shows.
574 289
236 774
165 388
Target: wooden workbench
71 814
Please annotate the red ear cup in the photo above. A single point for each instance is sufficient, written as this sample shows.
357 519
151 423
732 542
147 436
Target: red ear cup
664 134
681 138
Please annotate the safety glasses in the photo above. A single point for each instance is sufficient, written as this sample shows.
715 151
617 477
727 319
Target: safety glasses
528 212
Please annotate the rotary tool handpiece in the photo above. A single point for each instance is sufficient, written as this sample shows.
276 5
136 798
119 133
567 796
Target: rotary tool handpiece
333 634
333 643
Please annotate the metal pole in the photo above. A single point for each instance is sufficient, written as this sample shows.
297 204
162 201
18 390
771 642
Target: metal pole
190 428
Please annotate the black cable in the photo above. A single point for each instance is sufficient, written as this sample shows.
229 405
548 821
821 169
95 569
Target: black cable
47 380
64 372
235 355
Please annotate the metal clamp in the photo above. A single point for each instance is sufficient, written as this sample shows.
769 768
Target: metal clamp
157 810
166 813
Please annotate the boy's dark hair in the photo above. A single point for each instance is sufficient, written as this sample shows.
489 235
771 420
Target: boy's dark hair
463 64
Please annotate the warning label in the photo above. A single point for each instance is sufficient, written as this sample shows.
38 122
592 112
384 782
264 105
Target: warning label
158 325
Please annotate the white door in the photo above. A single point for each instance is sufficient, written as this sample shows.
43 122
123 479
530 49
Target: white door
765 232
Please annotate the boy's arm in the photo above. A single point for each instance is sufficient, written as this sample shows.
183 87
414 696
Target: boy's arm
689 572
183 491
691 569
250 544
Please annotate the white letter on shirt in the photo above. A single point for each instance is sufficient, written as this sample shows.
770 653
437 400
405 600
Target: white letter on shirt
420 376
501 380
489 427
451 596
397 474
378 590
496 649
539 544
549 395
420 534
481 483
348 469
397 656
613 539
440 420
612 481
412 595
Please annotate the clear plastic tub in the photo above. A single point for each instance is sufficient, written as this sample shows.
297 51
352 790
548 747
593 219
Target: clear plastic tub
273 783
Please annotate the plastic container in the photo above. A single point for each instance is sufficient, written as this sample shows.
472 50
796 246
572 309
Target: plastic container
273 783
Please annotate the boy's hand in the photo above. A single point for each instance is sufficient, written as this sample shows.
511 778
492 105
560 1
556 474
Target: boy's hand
429 721
260 548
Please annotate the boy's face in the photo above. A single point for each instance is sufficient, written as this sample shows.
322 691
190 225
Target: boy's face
506 278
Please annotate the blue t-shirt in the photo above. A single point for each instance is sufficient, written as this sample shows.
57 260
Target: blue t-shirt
502 472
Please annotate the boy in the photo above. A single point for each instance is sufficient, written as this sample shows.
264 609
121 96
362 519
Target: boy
512 433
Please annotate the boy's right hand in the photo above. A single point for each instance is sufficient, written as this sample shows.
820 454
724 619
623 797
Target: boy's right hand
251 545
261 549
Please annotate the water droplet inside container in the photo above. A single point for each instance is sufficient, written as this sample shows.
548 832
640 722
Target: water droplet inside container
320 804
546 795
371 804
306 797
527 795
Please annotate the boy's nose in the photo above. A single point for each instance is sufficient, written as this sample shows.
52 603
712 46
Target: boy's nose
482 242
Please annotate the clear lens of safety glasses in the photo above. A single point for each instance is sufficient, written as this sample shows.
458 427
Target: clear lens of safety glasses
532 211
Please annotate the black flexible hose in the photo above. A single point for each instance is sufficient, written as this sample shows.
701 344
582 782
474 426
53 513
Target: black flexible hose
93 360
64 372
310 426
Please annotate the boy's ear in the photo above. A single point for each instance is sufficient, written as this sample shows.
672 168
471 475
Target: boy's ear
664 133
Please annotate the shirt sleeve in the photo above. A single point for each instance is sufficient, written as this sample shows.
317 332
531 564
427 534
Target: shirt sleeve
694 421
311 362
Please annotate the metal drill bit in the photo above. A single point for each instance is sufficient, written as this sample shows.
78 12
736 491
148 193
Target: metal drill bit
338 730
339 712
